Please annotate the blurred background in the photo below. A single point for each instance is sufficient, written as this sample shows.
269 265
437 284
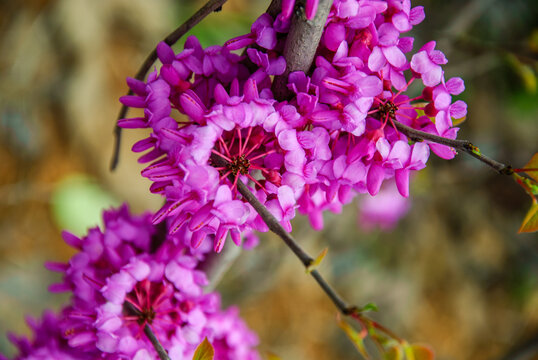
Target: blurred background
453 273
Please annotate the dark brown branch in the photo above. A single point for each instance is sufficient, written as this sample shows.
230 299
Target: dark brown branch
301 45
163 355
279 230
171 39
461 145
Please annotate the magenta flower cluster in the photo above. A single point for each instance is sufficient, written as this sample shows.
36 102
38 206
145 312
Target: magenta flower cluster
123 278
215 121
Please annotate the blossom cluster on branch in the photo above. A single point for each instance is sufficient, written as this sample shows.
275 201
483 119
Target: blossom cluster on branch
332 138
127 276
219 123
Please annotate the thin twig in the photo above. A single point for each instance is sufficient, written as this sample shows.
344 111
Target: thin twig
171 39
273 225
301 45
163 355
462 145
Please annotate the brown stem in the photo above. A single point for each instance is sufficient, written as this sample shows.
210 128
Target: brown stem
171 39
301 45
462 145
163 355
278 229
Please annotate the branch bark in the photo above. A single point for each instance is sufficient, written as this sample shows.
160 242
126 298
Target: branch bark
163 355
462 145
278 229
171 39
301 45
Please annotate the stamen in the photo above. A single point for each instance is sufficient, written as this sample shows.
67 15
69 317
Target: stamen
221 155
259 168
225 175
257 183
240 144
234 186
409 100
404 89
262 155
225 146
247 138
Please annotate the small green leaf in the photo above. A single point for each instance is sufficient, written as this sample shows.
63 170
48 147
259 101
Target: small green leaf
369 307
456 122
531 168
529 185
421 352
317 261
475 150
530 222
272 356
525 72
356 338
204 351
394 353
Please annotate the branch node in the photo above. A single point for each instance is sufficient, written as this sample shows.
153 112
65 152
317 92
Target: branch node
507 170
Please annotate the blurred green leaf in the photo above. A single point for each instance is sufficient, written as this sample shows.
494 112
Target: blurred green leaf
530 222
204 351
317 261
420 352
271 356
531 168
77 202
369 307
525 73
394 353
356 338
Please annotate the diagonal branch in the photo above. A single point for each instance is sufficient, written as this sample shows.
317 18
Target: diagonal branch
163 355
462 145
279 230
171 39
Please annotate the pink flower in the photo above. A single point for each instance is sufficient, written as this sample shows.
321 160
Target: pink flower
427 63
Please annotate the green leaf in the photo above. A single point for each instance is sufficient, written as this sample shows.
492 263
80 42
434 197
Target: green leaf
356 338
77 203
394 353
525 72
369 307
204 351
317 261
530 222
456 122
421 352
271 356
475 150
531 168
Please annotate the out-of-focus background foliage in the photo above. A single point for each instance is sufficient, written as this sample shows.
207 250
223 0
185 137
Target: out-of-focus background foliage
453 273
